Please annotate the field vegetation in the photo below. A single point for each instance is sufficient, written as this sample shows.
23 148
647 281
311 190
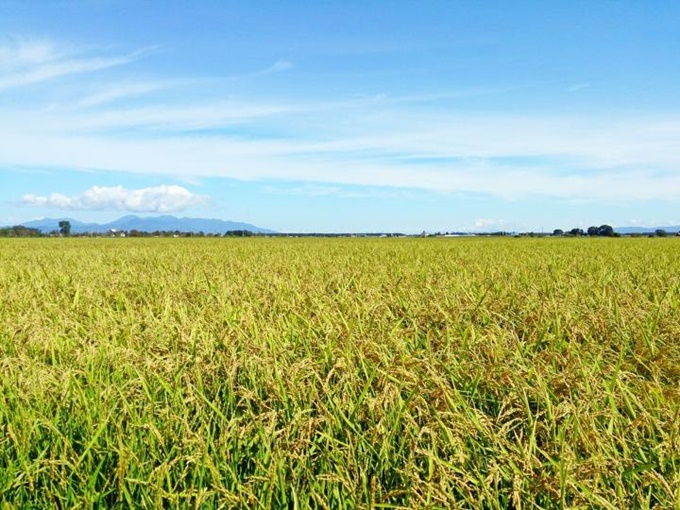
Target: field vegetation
343 373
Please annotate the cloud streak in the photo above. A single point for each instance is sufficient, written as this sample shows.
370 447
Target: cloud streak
119 92
22 52
391 142
29 62
636 159
158 199
279 66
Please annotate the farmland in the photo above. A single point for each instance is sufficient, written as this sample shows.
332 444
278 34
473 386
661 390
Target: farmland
343 373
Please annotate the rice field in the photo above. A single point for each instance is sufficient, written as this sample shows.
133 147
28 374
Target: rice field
340 373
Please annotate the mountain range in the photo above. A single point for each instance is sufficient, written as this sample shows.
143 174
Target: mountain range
647 230
148 224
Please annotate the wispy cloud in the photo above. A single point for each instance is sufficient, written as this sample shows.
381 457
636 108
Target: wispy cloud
325 190
579 86
312 190
277 67
54 70
28 62
157 118
121 91
511 157
16 53
389 142
158 199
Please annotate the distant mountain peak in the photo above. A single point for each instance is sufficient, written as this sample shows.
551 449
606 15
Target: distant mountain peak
149 224
647 230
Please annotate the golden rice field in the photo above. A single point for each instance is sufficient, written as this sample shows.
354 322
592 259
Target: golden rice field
340 373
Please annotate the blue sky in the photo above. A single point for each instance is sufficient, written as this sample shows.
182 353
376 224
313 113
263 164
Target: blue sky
342 115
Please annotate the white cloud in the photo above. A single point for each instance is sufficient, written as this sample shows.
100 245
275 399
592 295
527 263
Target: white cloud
493 225
633 159
158 119
312 190
26 62
277 67
57 69
18 53
158 199
487 223
112 94
366 141
325 190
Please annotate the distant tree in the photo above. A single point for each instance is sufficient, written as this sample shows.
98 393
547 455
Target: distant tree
558 232
238 233
576 232
660 232
605 231
65 228
593 231
19 231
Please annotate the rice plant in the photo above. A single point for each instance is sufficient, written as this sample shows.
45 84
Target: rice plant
340 373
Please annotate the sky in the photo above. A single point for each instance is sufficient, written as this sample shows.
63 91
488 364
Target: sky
343 116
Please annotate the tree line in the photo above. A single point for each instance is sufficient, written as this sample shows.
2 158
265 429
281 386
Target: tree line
603 231
64 230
